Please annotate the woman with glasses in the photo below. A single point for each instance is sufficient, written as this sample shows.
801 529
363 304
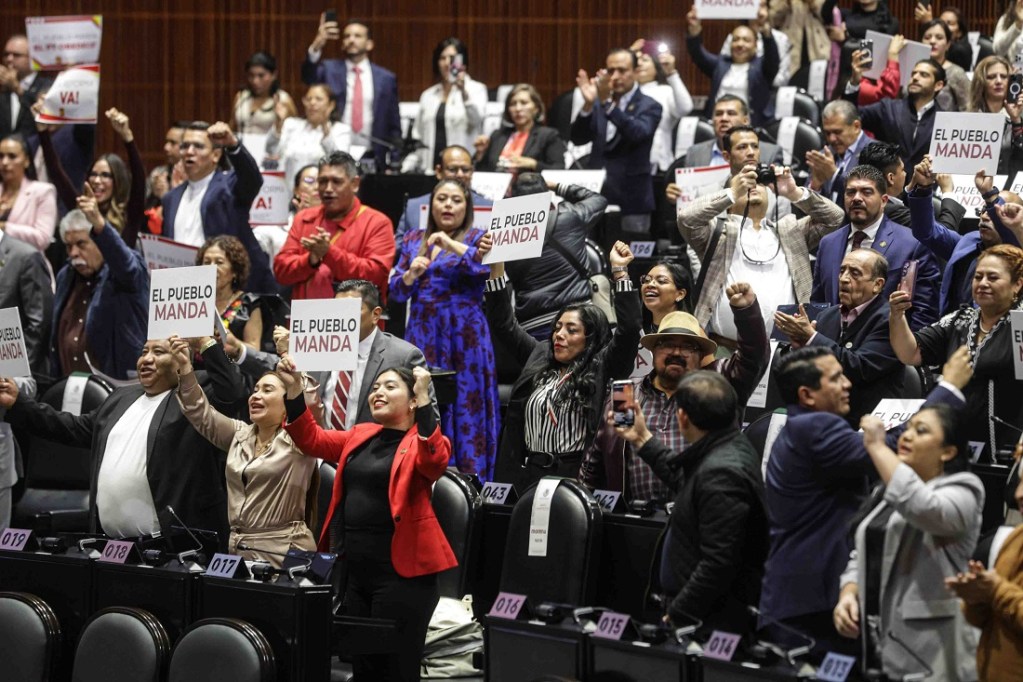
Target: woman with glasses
121 192
556 404
664 289
296 142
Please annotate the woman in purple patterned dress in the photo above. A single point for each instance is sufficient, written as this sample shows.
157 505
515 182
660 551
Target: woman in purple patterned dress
440 271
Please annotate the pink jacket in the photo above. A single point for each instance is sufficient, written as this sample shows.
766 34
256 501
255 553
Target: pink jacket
33 218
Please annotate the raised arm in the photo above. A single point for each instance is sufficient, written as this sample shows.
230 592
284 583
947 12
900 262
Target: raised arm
135 211
211 424
501 316
620 356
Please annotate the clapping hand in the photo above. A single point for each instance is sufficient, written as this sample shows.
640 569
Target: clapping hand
120 123
587 86
798 328
976 585
317 245
822 166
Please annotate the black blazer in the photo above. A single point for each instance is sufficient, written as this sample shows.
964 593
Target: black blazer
25 283
543 144
184 469
616 361
865 354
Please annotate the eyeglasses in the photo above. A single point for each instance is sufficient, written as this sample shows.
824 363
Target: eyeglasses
647 279
105 175
15 54
979 211
684 348
195 145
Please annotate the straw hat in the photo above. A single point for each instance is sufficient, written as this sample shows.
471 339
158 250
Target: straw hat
679 325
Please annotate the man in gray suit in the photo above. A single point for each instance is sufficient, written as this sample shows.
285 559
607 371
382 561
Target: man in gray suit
340 401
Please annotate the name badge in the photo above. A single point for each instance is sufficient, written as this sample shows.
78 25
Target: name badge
721 645
14 539
507 606
116 551
611 625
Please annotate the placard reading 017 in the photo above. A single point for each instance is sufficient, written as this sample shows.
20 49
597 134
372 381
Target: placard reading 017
518 226
325 334
13 355
182 301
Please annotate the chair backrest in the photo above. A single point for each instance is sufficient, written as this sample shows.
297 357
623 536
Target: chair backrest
57 476
596 261
328 471
30 637
122 644
692 130
567 574
456 502
912 384
501 95
407 112
559 116
796 137
806 107
986 47
217 649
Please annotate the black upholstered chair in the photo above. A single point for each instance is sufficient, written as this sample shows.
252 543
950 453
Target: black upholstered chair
218 649
30 638
133 638
568 573
328 470
456 502
757 430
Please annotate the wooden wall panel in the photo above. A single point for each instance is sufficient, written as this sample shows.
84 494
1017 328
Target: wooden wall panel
183 59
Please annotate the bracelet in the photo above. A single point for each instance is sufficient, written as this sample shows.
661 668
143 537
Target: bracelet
619 268
206 346
990 194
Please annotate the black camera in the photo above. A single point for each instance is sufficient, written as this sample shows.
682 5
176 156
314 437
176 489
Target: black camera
766 175
1015 87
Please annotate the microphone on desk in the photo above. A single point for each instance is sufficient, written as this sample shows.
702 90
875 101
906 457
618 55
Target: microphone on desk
787 654
999 420
293 571
911 677
191 554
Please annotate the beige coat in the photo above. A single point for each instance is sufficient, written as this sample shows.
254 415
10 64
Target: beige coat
266 492
793 17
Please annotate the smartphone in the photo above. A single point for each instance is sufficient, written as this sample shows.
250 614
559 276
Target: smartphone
330 15
621 403
908 281
457 67
662 48
926 4
868 45
1015 87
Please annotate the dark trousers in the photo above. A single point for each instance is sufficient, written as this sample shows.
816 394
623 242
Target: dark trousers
375 591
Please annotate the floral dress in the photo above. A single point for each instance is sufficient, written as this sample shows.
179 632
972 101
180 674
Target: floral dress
446 321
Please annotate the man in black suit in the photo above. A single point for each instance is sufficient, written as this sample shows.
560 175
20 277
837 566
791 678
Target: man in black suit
856 332
19 88
145 455
25 283
620 121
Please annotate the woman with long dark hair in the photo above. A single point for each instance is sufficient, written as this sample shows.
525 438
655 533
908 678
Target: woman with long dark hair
253 111
28 207
555 406
296 142
663 289
441 273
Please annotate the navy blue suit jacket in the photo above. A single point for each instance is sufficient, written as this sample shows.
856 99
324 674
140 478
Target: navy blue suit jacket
762 71
386 119
817 476
225 210
865 354
627 156
895 121
946 244
895 243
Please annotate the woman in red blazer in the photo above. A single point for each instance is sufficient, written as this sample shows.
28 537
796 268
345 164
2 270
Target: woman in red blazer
381 520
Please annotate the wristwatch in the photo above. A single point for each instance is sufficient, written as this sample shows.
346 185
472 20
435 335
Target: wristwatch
619 268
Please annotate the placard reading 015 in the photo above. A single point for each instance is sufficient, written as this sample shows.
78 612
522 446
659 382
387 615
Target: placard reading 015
182 301
611 625
13 355
325 334
518 226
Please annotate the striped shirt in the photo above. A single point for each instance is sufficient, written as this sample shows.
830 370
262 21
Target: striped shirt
554 424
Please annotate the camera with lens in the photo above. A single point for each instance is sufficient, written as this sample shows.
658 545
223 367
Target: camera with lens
766 174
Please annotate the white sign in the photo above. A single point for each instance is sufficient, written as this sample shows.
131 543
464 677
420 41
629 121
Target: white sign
540 515
1016 320
59 42
182 301
1017 183
643 365
964 191
966 143
592 180
491 185
325 334
896 411
161 252
255 145
913 53
692 182
480 217
759 396
13 355
518 226
270 207
774 426
73 97
727 9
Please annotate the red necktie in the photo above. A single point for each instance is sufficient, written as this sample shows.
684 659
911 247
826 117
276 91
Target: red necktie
357 101
339 404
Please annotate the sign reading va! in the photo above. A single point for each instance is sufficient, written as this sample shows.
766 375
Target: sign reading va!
325 334
13 356
518 226
182 301
966 143
58 42
727 9
73 97
270 207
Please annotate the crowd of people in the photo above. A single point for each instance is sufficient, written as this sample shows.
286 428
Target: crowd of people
856 260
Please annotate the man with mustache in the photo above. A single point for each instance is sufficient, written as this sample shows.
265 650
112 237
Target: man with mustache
101 306
679 347
865 199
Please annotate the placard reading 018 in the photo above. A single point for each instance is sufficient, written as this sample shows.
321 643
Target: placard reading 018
325 334
182 301
518 226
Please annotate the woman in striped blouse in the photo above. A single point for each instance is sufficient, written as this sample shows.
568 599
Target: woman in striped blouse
556 403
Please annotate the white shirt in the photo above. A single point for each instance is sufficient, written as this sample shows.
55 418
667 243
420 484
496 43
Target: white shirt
735 82
188 227
675 102
358 377
123 497
366 76
26 83
301 144
772 279
622 103
868 241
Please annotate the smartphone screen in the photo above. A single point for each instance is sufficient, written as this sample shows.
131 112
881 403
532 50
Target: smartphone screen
330 15
622 403
908 281
457 66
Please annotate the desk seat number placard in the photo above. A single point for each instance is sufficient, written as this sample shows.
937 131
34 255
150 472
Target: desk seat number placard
495 493
721 645
116 551
224 565
611 625
14 539
507 606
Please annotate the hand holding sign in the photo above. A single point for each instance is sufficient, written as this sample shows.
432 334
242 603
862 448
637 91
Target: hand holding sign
182 354
221 135
8 392
88 205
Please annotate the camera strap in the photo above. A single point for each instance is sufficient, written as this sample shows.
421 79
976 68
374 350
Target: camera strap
708 256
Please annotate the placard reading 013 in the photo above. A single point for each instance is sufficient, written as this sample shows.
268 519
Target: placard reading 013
518 226
325 334
182 301
13 355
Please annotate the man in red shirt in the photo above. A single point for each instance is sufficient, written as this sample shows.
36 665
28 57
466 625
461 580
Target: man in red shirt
339 239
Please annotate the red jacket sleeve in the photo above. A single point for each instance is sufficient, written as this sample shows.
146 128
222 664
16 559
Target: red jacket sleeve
314 441
433 455
886 87
372 264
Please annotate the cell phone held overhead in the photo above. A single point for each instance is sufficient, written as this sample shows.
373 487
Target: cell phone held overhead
622 403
